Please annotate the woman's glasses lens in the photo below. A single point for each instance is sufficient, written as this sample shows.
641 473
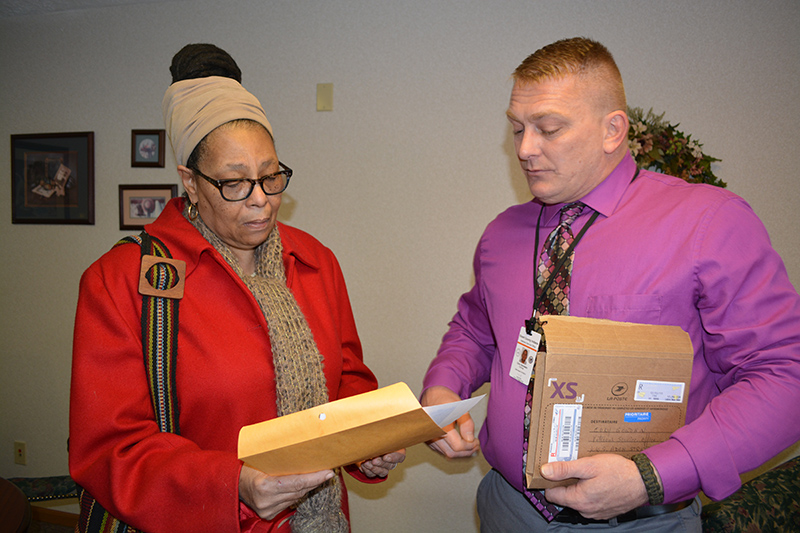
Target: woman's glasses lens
237 190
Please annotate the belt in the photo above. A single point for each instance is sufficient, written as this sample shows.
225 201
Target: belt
571 516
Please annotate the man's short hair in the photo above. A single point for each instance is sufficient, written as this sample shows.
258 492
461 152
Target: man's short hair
580 57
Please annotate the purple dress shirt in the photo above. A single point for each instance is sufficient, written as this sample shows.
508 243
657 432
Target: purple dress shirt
661 252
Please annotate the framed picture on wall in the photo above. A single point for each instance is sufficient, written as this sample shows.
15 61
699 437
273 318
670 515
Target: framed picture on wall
147 148
52 178
141 204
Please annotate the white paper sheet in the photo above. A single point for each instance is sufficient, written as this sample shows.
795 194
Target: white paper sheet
447 413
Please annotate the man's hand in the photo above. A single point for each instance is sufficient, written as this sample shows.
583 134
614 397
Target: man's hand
609 485
459 441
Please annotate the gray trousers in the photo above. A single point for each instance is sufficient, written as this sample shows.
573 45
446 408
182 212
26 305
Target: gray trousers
503 509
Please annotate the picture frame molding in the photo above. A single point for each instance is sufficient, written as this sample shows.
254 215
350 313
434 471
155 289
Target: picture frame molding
137 136
127 193
32 158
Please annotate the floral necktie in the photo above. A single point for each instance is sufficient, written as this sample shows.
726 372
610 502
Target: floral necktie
554 301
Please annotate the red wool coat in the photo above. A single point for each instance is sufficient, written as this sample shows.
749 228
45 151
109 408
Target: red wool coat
225 379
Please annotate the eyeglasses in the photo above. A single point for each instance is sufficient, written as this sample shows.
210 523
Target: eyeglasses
241 189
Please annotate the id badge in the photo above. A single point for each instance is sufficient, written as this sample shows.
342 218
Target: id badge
525 356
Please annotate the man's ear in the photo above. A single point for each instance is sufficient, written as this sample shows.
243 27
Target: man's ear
189 183
616 124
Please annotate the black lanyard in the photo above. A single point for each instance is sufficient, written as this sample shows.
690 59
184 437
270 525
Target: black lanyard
540 292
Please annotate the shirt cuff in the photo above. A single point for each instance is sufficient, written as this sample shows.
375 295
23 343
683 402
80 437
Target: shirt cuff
357 474
676 470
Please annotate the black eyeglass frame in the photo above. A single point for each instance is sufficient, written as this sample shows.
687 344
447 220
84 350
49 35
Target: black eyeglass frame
219 183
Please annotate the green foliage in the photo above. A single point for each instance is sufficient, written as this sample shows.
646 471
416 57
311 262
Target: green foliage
661 146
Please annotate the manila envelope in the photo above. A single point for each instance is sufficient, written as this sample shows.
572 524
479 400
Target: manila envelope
342 432
605 387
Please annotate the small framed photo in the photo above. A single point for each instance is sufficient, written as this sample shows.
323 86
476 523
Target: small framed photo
141 204
52 178
147 148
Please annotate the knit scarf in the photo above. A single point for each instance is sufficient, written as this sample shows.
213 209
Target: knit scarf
299 380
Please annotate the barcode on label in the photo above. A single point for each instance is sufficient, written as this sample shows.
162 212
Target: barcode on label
566 435
565 432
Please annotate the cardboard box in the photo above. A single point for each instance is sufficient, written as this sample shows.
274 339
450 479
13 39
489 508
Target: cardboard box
605 387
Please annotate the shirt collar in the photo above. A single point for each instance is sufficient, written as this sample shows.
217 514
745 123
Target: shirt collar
606 196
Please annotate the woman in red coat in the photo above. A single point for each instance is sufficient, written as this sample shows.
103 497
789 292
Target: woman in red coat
265 329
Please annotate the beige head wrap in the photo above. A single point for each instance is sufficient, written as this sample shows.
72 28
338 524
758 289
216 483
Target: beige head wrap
194 108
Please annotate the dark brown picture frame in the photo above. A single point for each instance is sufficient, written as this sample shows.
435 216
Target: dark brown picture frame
141 204
52 178
147 148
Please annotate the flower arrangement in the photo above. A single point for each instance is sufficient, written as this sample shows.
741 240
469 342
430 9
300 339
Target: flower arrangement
661 146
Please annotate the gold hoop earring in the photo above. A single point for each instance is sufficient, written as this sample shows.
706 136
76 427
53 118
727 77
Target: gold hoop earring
193 211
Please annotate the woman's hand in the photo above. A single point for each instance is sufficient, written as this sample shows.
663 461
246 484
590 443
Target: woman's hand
380 466
268 495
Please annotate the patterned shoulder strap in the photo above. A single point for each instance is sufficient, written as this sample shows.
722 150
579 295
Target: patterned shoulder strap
165 277
160 274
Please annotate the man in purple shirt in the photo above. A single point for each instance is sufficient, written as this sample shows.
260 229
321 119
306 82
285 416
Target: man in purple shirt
661 251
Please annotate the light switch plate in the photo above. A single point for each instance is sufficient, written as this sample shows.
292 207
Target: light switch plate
20 454
324 97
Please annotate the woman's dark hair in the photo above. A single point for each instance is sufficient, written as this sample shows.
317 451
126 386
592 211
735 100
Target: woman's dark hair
201 61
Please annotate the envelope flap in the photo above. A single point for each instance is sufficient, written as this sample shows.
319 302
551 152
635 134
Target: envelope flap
588 336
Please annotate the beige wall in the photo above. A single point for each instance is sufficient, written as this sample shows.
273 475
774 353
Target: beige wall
399 180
